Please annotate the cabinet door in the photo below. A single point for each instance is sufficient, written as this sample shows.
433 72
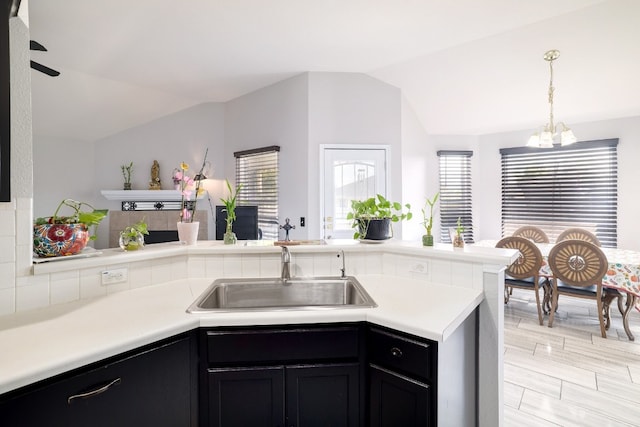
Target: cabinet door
323 395
246 397
396 400
148 388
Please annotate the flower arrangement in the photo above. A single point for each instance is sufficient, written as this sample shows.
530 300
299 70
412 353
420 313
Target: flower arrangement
187 187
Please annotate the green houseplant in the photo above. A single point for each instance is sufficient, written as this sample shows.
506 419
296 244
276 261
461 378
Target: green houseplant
230 209
132 237
60 235
427 239
372 218
127 170
458 240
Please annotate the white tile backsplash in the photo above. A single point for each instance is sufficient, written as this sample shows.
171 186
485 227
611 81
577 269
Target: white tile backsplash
91 283
8 254
7 301
7 223
64 287
32 292
21 293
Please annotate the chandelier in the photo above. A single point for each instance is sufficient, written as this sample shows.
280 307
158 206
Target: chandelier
545 137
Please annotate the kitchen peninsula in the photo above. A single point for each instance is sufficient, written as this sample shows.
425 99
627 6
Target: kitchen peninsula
426 293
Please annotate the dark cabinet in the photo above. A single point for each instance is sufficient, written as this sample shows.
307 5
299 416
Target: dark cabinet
152 386
291 376
402 379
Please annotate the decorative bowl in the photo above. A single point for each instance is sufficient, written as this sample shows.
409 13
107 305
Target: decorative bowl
51 240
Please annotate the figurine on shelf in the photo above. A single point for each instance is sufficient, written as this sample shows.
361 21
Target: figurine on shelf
155 183
287 226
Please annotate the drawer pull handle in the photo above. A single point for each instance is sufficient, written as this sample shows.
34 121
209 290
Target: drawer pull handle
396 352
95 392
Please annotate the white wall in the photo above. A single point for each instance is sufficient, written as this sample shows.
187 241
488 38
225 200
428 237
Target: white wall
275 115
351 108
63 169
487 175
419 173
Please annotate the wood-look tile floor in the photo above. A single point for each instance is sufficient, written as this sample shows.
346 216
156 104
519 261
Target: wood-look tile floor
569 375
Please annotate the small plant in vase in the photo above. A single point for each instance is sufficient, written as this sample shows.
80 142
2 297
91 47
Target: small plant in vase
132 237
427 239
127 170
458 241
230 209
59 235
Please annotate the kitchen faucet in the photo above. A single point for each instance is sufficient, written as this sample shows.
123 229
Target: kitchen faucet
286 264
343 274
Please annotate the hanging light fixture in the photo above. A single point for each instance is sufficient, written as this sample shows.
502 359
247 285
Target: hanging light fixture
545 137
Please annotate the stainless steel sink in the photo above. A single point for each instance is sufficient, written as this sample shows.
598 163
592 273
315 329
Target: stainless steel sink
271 294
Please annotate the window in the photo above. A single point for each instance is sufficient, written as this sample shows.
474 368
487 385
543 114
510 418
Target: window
257 171
562 187
455 193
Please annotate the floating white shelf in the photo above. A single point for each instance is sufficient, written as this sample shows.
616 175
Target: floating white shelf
142 195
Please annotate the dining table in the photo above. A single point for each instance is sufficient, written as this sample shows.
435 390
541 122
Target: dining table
623 274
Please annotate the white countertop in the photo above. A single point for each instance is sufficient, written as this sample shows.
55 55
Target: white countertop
41 343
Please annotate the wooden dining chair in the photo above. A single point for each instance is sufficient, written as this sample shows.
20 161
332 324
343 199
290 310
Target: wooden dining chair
532 233
578 234
578 268
524 273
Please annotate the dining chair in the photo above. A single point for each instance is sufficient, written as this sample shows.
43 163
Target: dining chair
578 268
524 273
578 234
532 233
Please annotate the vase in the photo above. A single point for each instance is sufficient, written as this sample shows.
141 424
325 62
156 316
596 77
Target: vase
375 229
427 240
230 238
188 232
51 240
458 241
127 186
131 241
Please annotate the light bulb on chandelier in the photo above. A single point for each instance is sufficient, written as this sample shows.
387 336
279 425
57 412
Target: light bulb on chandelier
545 137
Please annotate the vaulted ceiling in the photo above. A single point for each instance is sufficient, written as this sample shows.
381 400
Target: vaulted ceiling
465 66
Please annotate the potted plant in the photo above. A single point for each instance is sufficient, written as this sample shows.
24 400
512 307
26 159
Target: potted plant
427 239
230 209
372 218
59 235
458 241
132 237
126 174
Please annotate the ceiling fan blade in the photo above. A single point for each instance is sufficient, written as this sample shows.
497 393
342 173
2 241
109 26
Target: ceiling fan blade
34 45
48 71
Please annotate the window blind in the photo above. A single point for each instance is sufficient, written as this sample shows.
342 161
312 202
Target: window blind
257 170
562 187
455 193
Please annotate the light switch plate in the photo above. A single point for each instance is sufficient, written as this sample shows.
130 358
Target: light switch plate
117 275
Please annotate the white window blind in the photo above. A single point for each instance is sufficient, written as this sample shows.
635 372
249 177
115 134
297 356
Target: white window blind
455 193
562 187
257 170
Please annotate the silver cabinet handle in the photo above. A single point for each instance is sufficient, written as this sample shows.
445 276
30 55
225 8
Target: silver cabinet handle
396 352
95 392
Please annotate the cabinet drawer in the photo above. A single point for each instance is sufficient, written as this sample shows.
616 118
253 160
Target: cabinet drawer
402 354
233 346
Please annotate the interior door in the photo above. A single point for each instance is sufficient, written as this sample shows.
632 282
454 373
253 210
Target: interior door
350 173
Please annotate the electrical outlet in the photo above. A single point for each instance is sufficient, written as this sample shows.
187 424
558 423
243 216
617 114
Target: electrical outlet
117 275
419 267
302 221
